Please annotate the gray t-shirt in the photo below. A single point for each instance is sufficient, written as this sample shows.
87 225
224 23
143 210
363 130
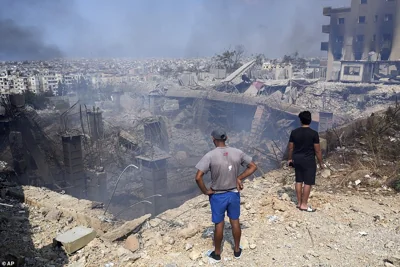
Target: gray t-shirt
224 164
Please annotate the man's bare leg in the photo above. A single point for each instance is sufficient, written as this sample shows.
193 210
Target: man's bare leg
306 194
218 235
299 191
236 232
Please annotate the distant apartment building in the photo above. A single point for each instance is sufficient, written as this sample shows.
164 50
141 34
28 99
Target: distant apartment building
49 82
34 84
361 38
4 86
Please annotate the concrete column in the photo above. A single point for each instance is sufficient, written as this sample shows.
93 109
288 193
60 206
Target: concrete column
154 174
73 162
156 133
257 125
155 103
17 151
96 126
201 114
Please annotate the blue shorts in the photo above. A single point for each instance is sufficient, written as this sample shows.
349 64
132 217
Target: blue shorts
229 201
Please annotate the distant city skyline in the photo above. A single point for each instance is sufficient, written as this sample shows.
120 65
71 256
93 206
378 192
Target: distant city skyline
45 29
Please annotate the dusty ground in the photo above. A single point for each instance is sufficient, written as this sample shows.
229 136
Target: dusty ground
354 228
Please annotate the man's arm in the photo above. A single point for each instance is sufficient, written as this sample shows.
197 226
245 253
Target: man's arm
317 149
291 148
251 168
201 185
318 153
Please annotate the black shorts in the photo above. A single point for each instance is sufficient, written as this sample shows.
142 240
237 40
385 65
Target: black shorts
305 173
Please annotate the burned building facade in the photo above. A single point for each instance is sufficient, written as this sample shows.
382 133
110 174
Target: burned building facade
369 30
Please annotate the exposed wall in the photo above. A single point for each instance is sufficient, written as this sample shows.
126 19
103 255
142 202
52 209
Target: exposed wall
370 25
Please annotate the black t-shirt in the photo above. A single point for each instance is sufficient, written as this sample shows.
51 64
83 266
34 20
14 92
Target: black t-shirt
304 139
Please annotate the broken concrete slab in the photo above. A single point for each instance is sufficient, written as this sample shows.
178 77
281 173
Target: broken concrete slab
125 229
76 238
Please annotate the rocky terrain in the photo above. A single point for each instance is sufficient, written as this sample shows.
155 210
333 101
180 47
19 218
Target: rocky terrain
357 222
357 226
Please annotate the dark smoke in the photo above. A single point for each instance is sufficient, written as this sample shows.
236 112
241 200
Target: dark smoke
24 43
158 28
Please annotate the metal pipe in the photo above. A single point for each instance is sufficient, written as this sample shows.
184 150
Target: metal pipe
115 188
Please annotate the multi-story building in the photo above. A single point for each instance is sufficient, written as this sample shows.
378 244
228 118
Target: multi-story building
368 31
4 87
20 84
34 84
49 82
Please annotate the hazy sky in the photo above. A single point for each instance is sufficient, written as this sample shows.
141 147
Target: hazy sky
40 29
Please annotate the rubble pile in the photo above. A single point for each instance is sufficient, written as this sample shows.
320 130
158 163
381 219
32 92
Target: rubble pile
349 101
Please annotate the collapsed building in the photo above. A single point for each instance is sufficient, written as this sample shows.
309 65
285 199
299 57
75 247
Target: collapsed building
364 41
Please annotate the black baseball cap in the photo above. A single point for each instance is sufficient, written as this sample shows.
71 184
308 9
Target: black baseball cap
219 134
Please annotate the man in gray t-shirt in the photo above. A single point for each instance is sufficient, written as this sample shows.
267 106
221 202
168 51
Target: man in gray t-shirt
226 182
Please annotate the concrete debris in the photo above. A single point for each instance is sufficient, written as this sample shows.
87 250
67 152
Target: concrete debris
132 243
54 215
125 229
188 246
278 205
76 238
190 231
194 255
326 173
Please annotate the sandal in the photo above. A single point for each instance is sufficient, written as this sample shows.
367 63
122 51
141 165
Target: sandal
309 209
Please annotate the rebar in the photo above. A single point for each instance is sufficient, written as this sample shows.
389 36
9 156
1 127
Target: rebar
143 200
115 188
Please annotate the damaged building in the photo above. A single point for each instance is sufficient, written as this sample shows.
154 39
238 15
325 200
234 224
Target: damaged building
364 41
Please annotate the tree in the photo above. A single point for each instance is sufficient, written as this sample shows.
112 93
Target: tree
260 58
298 63
230 59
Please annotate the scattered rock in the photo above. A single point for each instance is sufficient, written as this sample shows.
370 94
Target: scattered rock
253 246
121 251
70 219
244 243
53 215
357 182
286 197
390 244
189 232
168 240
395 260
132 243
158 239
363 233
188 246
194 255
326 173
278 206
125 229
247 206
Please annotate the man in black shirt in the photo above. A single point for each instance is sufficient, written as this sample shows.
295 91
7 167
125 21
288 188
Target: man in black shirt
303 147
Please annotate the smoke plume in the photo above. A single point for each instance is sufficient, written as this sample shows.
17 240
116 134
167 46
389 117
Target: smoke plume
157 28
